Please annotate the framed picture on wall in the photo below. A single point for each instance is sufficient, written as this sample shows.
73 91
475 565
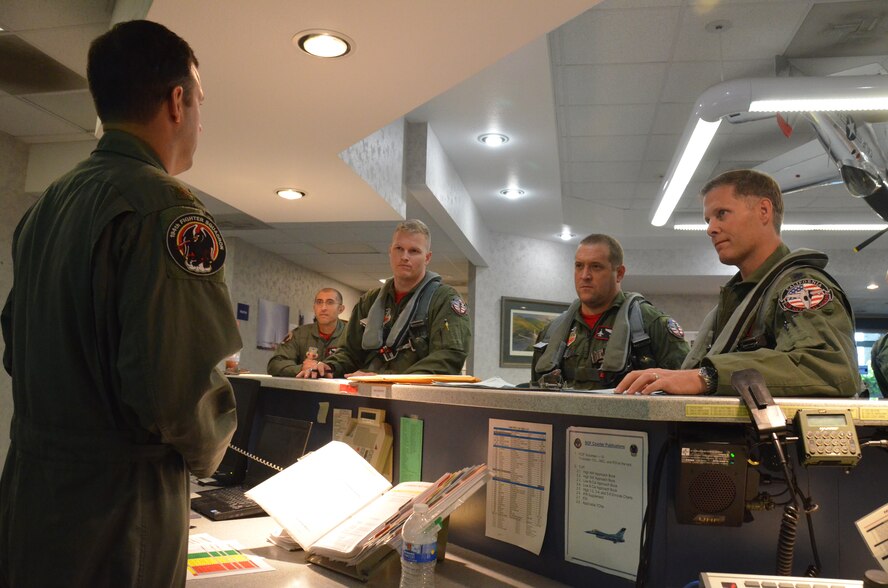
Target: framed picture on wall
521 322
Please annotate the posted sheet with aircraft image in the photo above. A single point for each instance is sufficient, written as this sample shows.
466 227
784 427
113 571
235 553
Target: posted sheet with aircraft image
606 495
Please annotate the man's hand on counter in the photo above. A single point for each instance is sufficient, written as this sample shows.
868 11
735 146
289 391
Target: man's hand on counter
657 379
320 370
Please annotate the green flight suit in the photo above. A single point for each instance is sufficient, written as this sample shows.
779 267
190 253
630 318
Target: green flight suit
810 350
115 323
879 360
586 347
443 350
287 359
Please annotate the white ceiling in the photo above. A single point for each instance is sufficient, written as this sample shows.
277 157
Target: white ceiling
594 108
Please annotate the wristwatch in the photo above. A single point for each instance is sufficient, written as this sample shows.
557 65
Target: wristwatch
710 378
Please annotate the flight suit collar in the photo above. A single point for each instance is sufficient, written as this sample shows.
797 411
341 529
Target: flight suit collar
614 306
129 145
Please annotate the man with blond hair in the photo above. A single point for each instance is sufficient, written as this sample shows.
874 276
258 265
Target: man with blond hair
781 314
414 324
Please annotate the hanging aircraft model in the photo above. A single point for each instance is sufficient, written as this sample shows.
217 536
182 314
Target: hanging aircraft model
849 149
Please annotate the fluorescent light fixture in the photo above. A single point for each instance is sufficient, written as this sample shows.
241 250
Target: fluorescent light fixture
493 139
512 193
693 152
872 286
290 193
323 43
765 95
799 227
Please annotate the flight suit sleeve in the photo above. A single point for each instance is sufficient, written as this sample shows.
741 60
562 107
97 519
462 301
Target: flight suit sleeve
347 358
6 325
450 335
283 362
177 324
814 352
667 341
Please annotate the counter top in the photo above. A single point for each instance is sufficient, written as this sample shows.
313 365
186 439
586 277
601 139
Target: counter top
461 567
716 409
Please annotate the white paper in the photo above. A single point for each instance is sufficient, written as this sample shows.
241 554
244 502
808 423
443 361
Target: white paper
215 558
606 495
874 529
341 421
308 509
519 456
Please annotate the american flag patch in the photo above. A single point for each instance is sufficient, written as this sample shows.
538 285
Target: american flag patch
805 295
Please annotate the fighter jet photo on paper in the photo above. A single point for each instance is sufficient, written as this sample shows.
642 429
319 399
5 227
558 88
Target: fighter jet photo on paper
613 537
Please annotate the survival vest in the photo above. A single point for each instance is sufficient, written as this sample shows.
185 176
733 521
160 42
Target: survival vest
411 324
629 346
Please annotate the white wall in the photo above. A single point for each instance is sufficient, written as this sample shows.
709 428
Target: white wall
252 273
542 270
13 204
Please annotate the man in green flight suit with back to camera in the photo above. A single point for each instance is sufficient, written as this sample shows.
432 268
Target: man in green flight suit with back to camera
781 314
304 346
606 332
116 321
414 324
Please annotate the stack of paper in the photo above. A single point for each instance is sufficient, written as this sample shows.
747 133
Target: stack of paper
333 503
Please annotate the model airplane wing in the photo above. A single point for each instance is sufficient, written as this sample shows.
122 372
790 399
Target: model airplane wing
802 168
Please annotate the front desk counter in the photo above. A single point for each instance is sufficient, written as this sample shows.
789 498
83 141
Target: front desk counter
455 435
461 567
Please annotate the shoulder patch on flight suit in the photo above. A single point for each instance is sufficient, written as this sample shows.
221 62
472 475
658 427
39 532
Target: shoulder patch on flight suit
675 329
807 294
195 244
459 306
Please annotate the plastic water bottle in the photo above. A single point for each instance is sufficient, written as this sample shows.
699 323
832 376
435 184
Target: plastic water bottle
419 549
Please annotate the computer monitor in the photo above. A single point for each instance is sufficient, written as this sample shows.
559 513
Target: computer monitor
282 441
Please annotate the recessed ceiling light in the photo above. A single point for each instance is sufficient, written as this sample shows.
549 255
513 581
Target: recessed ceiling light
873 286
290 193
493 139
323 43
511 193
566 235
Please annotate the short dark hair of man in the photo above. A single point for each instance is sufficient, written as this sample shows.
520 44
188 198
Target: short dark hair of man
614 249
334 290
748 182
133 68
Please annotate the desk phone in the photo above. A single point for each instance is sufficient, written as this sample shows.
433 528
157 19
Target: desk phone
827 437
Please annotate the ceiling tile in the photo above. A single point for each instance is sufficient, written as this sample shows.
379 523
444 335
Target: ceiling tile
612 36
76 107
757 30
633 119
617 194
617 171
615 148
20 119
637 83
671 118
687 80
662 146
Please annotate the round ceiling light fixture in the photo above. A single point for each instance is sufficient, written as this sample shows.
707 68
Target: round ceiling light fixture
324 43
511 193
566 235
872 286
493 139
290 193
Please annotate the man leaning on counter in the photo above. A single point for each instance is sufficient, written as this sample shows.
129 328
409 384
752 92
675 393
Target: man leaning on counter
304 346
414 324
781 314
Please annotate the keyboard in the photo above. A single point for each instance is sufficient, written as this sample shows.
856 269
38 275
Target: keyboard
222 504
722 580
